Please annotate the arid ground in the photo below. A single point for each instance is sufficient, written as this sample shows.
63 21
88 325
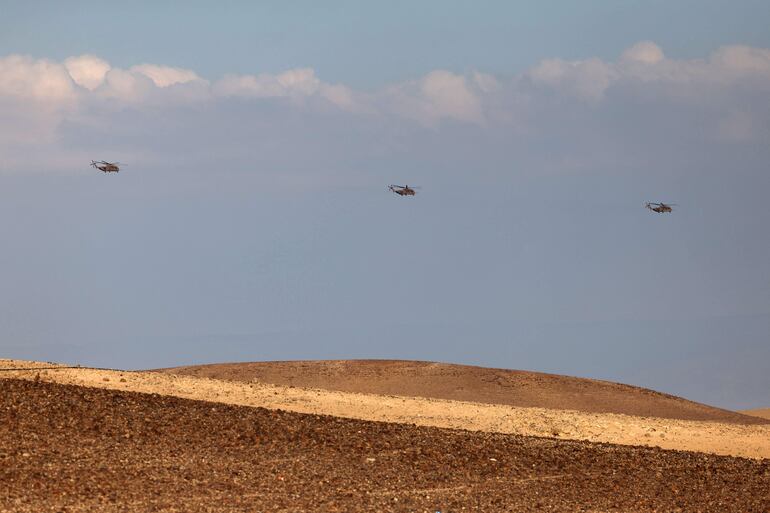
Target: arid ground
758 412
467 383
332 436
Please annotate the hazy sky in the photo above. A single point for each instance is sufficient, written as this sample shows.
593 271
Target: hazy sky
252 219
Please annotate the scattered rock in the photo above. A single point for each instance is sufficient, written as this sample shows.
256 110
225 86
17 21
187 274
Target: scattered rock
182 456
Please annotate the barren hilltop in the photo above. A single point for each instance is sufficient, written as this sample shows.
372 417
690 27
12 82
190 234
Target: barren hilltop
468 383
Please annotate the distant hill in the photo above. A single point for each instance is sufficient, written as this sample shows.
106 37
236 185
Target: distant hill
763 413
469 383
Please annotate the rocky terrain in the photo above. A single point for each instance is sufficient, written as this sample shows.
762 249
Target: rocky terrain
76 449
731 439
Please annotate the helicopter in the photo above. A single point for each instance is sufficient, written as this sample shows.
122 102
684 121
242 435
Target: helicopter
403 190
660 208
106 167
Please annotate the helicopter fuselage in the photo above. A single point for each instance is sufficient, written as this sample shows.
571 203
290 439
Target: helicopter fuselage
106 167
660 208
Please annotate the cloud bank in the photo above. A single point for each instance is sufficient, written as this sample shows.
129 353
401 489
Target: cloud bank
52 108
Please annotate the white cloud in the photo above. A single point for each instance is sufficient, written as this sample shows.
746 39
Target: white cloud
295 82
298 84
644 52
342 96
299 81
38 79
449 96
587 78
240 85
724 97
645 63
35 96
486 83
164 76
743 59
438 95
87 71
125 85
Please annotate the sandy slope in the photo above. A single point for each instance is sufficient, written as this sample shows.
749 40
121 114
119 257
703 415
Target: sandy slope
763 413
468 383
752 441
79 449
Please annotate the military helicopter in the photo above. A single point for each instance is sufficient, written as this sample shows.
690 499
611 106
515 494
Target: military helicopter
660 208
106 167
403 190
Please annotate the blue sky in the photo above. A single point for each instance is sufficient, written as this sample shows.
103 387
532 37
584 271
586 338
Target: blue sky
252 220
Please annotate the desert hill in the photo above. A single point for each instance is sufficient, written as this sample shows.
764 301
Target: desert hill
77 449
469 383
723 438
758 412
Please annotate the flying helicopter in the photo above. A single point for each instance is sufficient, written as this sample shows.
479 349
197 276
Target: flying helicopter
660 208
403 190
106 167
